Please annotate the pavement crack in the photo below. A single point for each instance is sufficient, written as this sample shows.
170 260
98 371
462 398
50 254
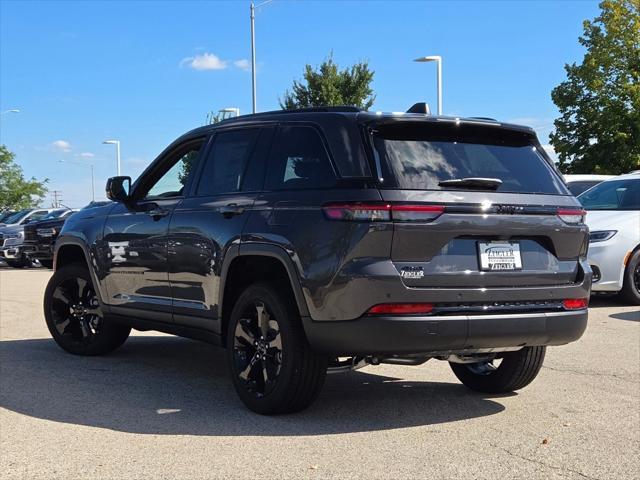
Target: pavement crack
591 374
544 464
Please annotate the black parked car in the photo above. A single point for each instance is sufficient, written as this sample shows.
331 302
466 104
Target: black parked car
334 238
40 236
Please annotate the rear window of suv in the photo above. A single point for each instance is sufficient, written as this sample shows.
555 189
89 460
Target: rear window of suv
420 155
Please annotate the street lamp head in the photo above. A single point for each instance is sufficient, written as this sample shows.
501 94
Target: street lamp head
430 58
14 110
111 142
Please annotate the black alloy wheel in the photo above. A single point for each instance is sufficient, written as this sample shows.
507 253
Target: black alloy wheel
271 363
75 311
74 316
630 292
257 349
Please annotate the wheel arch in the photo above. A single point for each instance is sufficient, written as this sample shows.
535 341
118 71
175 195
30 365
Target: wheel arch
70 250
253 263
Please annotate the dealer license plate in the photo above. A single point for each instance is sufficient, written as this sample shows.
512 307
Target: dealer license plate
499 256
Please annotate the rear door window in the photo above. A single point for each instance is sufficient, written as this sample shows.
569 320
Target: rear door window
299 160
226 162
420 156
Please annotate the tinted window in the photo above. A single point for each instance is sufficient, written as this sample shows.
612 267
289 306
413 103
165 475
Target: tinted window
613 195
37 216
226 162
413 157
55 214
173 181
582 186
299 160
16 217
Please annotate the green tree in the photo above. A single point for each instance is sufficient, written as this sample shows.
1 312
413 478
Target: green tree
599 126
328 85
16 192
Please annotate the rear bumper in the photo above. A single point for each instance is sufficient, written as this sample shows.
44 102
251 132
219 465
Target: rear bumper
372 335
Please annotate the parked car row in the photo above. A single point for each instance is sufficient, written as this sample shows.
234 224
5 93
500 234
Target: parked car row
30 234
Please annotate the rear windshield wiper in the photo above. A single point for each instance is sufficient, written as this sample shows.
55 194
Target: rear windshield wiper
472 182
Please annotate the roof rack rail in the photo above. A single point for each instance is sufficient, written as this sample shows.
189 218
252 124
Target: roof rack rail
336 109
484 118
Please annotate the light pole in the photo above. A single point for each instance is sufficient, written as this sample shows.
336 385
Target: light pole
93 190
117 144
13 110
252 11
438 60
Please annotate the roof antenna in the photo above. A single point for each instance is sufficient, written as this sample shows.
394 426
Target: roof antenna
420 107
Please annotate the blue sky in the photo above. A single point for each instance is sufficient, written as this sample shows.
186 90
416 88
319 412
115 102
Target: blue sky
145 72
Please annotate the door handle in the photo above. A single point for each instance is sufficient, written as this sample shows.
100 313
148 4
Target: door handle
231 210
158 212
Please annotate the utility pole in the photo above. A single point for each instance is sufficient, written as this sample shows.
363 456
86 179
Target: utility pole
57 198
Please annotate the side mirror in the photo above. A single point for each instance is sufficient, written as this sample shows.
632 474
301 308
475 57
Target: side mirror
118 189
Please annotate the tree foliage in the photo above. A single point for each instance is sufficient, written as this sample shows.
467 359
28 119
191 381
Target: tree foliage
15 192
599 102
327 85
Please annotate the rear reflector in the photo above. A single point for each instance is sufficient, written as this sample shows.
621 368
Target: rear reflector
382 212
401 309
575 303
572 215
416 213
358 212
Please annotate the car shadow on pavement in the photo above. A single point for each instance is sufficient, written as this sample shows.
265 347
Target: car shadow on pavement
631 316
606 301
169 385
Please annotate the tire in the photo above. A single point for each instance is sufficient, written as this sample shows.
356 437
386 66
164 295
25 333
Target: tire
21 262
272 366
74 316
46 263
516 371
630 292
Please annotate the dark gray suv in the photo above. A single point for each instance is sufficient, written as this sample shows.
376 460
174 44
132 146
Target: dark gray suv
329 239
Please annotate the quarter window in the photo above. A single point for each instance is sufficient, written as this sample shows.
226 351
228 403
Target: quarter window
226 162
299 160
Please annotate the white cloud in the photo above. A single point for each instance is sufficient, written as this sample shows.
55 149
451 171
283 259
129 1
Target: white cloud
242 64
87 155
206 61
61 146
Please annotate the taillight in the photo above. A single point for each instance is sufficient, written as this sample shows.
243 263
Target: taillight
416 213
382 212
575 303
358 212
401 309
572 215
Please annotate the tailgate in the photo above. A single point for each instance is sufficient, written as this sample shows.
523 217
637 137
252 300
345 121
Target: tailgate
445 252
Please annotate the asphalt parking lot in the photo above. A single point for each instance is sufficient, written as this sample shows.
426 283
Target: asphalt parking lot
163 407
